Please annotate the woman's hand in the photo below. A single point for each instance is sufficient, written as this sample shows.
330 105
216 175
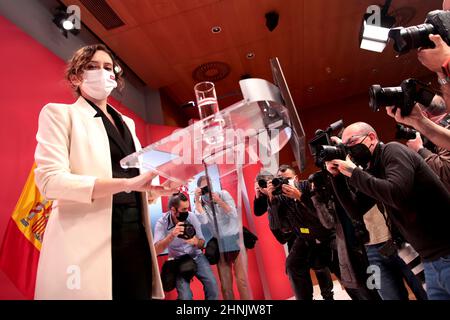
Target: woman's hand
143 183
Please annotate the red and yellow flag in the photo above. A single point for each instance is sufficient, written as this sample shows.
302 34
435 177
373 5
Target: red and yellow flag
22 243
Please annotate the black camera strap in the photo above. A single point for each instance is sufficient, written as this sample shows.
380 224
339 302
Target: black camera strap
397 238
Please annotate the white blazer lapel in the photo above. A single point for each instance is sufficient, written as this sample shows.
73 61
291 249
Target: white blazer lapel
96 133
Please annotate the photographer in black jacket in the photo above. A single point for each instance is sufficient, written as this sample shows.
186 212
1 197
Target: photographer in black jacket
351 235
293 220
293 223
415 200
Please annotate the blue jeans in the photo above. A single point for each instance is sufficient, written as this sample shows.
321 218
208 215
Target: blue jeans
393 270
437 278
205 275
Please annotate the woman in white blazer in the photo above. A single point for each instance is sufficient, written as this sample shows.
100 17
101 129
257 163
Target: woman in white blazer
98 242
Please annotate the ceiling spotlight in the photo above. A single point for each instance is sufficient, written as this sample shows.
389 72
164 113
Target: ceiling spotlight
375 28
68 25
216 29
65 21
250 55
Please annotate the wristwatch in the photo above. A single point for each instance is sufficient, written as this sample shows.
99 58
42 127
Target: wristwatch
443 81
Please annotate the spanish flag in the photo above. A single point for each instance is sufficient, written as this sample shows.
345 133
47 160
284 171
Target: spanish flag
22 243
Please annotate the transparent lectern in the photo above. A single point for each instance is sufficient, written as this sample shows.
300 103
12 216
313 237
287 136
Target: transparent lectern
254 129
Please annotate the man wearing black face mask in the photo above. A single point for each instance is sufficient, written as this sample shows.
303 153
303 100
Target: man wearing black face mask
170 234
415 200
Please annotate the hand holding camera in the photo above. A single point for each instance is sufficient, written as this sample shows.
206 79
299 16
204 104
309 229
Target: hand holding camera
415 144
178 230
434 58
415 117
346 166
291 191
193 241
332 168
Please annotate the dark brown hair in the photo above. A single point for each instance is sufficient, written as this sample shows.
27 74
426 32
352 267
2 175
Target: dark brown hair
76 65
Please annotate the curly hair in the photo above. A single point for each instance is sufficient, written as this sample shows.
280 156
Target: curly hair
76 65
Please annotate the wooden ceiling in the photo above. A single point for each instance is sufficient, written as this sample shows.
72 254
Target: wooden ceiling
317 42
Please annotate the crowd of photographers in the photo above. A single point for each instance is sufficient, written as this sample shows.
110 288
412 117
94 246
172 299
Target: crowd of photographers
376 215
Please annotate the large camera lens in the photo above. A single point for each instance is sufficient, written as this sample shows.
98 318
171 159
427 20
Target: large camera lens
189 232
262 183
277 184
328 153
406 39
384 97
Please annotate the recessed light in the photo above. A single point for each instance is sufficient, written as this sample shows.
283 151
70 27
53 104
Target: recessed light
216 29
310 89
250 55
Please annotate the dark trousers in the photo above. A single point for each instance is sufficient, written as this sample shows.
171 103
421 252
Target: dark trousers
304 256
131 257
393 271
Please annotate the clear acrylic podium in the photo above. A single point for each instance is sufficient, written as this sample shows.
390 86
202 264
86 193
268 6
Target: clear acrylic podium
254 130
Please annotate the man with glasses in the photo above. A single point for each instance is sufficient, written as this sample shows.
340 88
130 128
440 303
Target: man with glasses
415 200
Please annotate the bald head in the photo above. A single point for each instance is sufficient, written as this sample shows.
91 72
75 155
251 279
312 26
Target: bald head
357 128
360 132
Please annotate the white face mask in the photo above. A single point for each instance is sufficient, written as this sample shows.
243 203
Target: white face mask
98 83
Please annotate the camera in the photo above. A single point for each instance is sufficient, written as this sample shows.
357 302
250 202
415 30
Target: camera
321 184
404 97
277 184
262 183
406 39
328 153
189 231
321 141
405 133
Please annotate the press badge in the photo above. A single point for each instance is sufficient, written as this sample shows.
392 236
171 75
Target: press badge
304 230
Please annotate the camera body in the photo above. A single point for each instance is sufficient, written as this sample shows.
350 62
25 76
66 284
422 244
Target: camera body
404 97
404 133
277 184
406 39
321 145
189 231
328 153
321 184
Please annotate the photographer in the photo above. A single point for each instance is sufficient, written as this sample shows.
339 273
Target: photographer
174 231
414 198
261 205
437 60
350 235
437 158
227 236
311 246
393 270
435 133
